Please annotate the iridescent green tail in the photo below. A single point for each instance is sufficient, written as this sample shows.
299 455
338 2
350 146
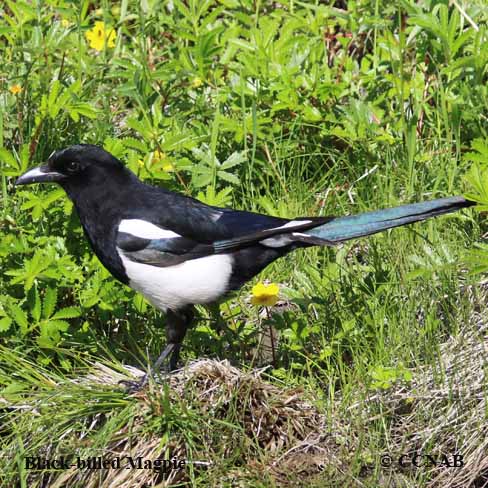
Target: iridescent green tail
344 228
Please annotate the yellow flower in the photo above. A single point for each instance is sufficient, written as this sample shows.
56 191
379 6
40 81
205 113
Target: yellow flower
65 23
15 89
168 167
98 36
160 158
266 295
197 82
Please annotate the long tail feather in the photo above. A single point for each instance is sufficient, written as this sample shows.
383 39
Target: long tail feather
344 228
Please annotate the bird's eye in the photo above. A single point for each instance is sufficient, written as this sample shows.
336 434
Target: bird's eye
73 167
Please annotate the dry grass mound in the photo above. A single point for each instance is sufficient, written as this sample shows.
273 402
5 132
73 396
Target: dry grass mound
235 428
275 433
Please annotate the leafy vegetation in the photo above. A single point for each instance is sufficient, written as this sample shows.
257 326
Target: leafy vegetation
288 108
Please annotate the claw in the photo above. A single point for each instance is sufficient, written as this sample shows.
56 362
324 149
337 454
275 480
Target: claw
169 356
133 386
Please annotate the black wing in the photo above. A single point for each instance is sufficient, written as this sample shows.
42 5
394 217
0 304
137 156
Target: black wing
196 230
161 252
169 251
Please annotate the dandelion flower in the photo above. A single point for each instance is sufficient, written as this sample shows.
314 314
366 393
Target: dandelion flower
15 89
197 82
265 294
98 36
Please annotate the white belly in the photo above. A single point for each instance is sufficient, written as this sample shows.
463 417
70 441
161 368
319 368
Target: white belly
195 281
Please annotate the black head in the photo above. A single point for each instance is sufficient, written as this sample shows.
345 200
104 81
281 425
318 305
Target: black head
78 166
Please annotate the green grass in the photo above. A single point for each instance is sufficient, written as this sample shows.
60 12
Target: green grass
292 109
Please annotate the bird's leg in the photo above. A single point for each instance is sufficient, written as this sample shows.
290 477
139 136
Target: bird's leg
177 323
170 350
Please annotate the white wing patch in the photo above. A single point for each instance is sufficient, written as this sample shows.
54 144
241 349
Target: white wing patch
145 230
277 241
282 239
293 223
194 281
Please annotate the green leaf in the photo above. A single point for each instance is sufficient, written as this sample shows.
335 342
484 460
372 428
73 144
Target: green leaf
233 160
35 304
67 313
52 196
478 179
140 303
221 199
229 177
6 157
114 146
139 126
52 101
50 299
20 317
32 269
74 114
132 143
312 114
202 179
5 324
50 332
243 44
45 341
55 325
22 10
84 109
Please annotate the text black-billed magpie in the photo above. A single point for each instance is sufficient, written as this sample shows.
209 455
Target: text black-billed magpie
179 252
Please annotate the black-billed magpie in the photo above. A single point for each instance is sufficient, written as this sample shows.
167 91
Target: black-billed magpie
178 251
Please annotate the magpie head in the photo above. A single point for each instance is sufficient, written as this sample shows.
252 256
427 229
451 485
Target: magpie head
76 167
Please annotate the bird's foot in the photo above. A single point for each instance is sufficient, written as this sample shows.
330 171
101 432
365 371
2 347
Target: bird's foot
133 386
168 358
